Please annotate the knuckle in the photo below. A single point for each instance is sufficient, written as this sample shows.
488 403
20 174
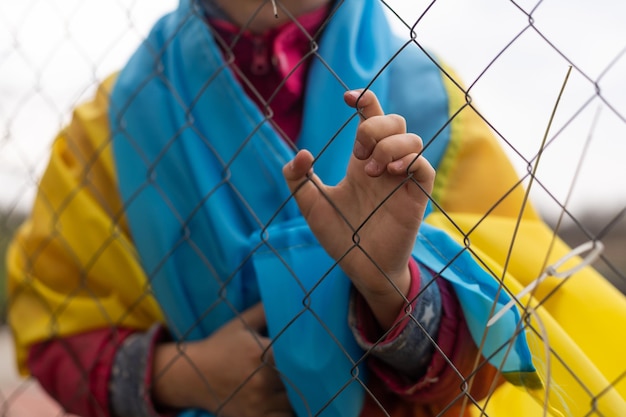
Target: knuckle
398 121
416 139
378 127
430 170
366 131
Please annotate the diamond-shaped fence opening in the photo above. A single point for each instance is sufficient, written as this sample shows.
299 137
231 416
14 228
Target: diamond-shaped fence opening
157 214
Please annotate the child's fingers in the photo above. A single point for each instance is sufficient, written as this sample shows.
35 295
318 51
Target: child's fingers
416 165
374 130
390 149
365 101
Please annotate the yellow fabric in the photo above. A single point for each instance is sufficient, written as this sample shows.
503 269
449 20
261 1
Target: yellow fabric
582 321
580 324
59 281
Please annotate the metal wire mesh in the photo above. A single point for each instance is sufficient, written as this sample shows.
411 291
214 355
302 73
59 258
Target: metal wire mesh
510 61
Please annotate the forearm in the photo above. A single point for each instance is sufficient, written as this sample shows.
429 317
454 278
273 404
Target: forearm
103 373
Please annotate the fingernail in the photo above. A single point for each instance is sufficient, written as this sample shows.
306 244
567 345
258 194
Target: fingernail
397 165
372 167
354 93
359 150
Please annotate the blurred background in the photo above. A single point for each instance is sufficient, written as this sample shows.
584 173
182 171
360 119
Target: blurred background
513 57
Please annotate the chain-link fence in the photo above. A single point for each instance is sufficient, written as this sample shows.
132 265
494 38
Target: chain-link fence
542 81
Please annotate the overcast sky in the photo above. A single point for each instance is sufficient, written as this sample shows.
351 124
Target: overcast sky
52 51
518 92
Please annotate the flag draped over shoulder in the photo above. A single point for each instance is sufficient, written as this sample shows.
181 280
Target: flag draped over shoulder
205 220
246 229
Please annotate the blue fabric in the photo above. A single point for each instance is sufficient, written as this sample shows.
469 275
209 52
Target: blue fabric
476 291
307 298
199 172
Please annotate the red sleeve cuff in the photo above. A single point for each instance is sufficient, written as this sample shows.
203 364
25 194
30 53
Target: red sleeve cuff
75 370
366 324
132 376
455 356
453 364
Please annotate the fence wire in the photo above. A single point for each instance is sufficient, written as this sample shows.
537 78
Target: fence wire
545 78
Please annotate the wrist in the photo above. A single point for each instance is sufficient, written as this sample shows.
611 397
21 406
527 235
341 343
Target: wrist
388 297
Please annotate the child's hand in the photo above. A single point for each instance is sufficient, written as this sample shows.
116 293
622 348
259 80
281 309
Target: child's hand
230 373
369 221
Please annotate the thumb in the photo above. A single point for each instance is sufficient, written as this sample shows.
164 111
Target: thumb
299 176
296 170
253 319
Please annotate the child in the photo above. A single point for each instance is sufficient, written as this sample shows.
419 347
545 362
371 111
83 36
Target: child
183 258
